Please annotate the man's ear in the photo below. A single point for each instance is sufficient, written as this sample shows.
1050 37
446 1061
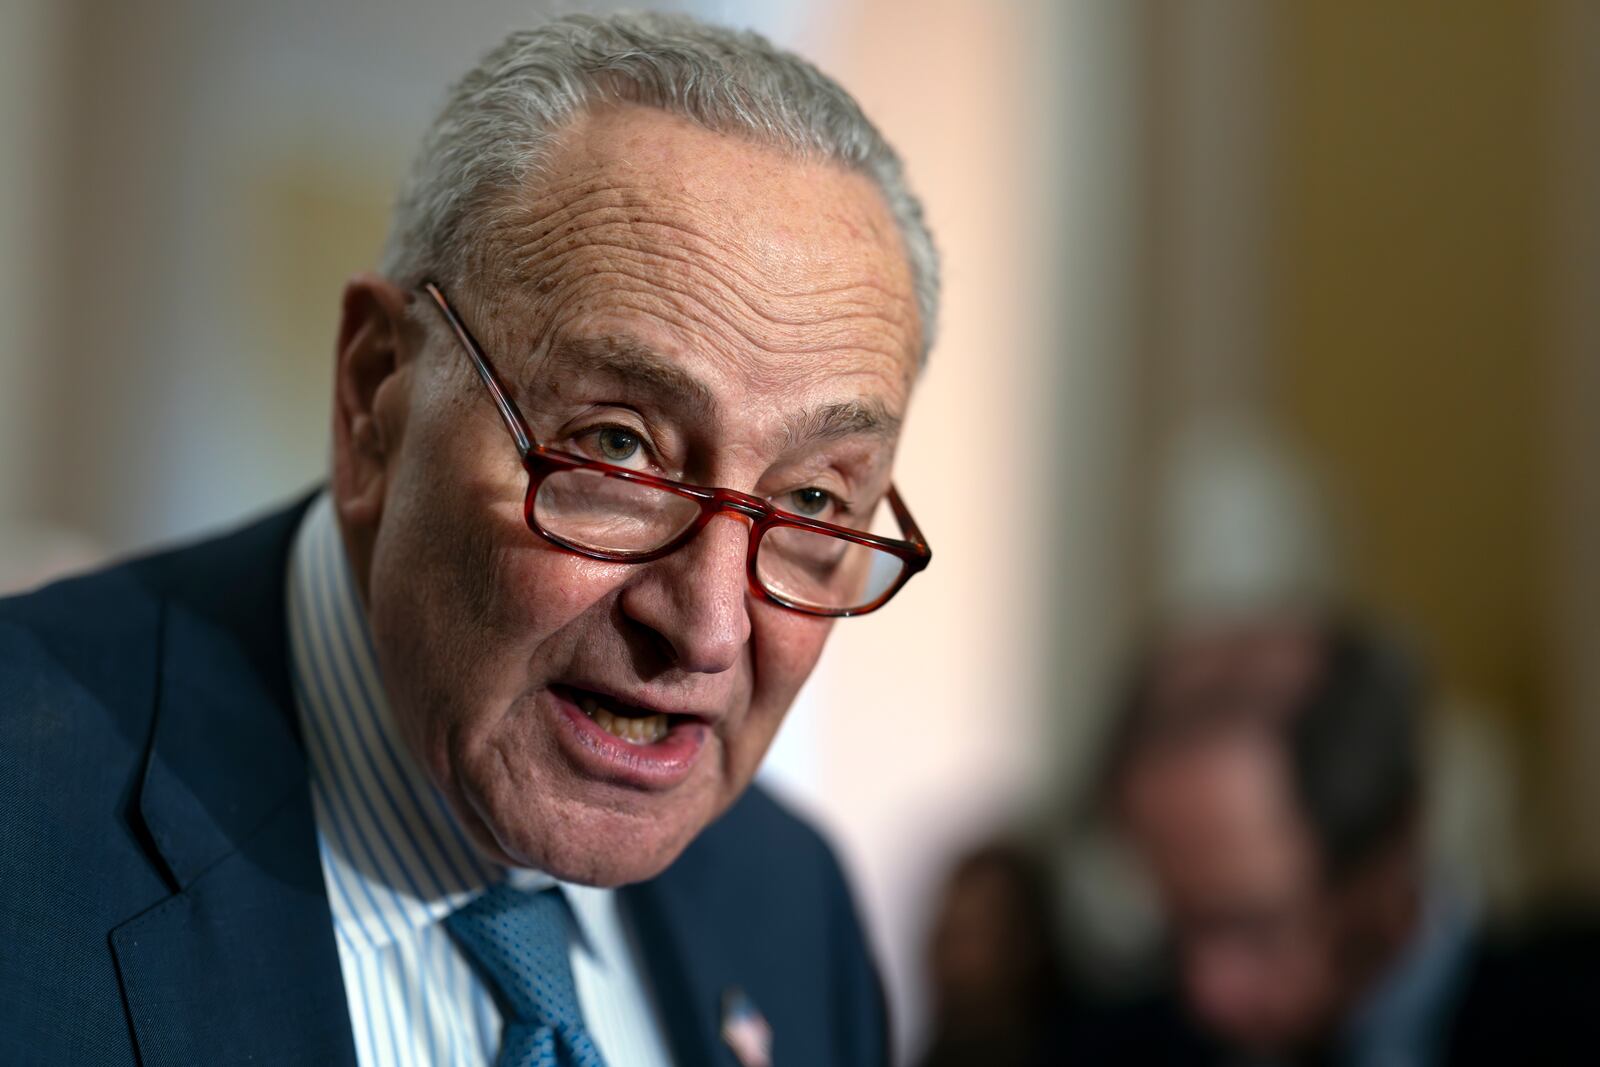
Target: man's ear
368 401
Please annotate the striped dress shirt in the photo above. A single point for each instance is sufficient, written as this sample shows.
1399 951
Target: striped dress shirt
396 861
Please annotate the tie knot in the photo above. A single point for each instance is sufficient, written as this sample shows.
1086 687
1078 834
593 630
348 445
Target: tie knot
519 942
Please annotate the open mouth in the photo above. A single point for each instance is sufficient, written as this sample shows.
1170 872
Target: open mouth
636 726
613 741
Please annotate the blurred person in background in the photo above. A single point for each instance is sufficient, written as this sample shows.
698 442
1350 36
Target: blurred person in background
358 783
1269 775
993 963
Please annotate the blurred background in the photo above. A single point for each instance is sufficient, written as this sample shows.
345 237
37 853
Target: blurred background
1247 304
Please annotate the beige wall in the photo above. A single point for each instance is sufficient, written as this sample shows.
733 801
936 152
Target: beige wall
32 41
1411 341
1572 146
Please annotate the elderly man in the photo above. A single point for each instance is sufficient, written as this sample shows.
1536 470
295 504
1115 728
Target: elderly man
450 763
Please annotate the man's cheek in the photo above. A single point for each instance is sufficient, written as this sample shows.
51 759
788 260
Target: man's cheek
544 588
789 645
785 657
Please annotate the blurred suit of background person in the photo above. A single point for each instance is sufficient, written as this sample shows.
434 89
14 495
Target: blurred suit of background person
1251 303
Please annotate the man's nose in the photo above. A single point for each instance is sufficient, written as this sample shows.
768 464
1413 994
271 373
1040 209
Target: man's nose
695 598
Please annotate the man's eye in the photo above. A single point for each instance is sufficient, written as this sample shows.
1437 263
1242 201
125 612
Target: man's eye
617 445
811 502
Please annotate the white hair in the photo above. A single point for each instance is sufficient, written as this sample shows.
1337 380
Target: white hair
501 118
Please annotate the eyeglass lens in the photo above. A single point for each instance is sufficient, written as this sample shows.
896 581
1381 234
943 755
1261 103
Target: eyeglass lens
592 510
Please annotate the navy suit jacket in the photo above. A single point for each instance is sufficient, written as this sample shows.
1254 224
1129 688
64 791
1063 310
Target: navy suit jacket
161 892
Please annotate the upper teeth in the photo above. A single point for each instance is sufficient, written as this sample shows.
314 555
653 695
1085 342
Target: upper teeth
646 730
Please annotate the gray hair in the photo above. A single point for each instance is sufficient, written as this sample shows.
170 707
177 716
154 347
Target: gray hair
501 118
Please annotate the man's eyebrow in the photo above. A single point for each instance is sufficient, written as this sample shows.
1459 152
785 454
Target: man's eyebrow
629 361
636 364
845 419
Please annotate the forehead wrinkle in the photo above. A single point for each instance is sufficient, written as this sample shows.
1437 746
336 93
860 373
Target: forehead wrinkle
761 350
556 208
746 303
539 231
544 246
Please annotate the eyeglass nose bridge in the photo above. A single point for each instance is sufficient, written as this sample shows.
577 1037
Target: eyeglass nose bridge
751 507
714 502
717 501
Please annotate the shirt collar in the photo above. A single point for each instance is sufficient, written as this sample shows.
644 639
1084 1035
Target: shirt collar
394 855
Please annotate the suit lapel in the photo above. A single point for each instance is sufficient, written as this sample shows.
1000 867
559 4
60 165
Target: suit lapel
225 751
688 972
240 963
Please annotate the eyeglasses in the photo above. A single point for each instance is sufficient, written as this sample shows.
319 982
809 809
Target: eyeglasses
621 515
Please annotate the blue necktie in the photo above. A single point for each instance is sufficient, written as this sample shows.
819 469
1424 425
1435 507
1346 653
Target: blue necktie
518 942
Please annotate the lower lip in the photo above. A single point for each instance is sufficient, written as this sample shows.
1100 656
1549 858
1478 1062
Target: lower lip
659 766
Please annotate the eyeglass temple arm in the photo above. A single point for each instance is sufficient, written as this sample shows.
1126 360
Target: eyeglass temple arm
907 523
502 399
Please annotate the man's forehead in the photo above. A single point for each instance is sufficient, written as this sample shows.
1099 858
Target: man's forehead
1220 778
627 156
636 207
1221 806
628 145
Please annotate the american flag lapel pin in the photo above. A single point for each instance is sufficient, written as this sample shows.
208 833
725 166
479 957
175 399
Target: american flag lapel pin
745 1030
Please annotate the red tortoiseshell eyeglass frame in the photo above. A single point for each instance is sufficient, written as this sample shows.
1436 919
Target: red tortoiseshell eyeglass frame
540 462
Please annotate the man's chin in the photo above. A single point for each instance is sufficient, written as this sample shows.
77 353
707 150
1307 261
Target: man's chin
599 847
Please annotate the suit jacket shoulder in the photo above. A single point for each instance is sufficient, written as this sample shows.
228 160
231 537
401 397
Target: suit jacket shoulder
1529 996
77 683
113 808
